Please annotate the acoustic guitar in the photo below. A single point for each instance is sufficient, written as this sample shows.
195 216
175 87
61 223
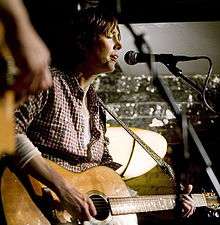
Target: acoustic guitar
103 185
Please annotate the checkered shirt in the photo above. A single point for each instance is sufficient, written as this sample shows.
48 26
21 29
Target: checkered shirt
53 121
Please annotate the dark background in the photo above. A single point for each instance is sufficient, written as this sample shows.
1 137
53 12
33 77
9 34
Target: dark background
138 11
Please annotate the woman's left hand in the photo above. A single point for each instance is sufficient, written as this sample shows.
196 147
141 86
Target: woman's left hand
188 205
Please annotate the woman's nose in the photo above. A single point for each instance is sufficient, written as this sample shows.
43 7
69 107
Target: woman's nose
117 45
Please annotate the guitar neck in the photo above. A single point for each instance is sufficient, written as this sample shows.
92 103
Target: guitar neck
128 205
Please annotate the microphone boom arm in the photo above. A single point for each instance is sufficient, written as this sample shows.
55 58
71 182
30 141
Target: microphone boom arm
178 73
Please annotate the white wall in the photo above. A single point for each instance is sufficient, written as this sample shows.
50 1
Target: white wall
182 38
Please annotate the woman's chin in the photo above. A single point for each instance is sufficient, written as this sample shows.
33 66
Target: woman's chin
112 67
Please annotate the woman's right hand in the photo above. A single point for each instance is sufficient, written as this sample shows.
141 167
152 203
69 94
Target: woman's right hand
78 205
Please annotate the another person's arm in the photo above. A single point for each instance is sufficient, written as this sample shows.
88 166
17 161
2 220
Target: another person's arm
30 54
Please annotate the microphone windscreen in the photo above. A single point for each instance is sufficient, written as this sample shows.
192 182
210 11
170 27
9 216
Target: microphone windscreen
130 58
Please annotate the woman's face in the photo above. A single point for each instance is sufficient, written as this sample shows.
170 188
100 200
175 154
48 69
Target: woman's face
104 54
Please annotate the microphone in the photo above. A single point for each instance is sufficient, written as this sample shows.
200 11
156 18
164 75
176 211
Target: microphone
132 58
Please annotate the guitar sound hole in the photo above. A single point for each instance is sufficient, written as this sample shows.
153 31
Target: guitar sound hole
101 206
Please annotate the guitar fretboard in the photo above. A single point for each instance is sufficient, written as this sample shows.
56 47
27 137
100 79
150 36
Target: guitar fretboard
126 205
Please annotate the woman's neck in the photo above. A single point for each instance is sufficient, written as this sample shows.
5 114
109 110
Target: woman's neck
85 81
86 75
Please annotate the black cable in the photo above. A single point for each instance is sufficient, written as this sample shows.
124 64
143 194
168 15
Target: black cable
129 160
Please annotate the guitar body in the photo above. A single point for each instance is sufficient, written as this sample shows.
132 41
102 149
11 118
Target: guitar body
19 208
100 178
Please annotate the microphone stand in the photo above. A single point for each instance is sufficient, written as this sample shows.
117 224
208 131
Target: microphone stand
178 73
187 129
139 42
186 126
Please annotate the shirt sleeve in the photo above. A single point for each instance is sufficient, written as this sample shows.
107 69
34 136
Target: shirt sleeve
24 115
25 150
27 111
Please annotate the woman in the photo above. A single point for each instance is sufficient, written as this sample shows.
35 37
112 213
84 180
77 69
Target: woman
66 124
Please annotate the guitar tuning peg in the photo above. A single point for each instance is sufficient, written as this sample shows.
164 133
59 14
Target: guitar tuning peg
213 214
216 214
211 193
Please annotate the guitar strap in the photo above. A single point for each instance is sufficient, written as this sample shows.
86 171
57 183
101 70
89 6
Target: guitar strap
164 165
